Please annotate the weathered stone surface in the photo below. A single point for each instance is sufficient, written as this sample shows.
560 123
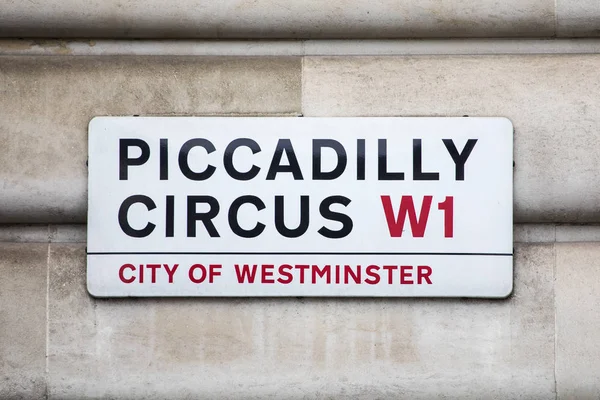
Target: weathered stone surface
23 320
551 100
24 233
47 103
578 233
367 47
277 19
67 233
534 233
577 320
577 18
299 348
560 233
309 47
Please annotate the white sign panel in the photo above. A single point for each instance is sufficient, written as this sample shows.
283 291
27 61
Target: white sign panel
190 206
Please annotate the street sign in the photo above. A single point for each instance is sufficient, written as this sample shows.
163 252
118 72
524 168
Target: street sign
232 206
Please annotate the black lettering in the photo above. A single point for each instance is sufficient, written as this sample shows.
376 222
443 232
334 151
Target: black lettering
125 161
170 217
280 220
418 174
460 159
228 159
276 167
360 159
183 159
205 217
326 212
164 159
233 212
124 210
342 160
383 174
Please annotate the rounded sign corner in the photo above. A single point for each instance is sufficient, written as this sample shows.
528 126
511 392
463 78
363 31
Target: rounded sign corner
509 125
92 291
94 121
508 292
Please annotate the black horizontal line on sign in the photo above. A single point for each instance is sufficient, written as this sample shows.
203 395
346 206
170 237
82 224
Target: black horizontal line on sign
185 253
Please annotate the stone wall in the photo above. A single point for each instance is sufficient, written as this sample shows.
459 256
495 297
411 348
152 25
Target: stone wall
58 342
227 19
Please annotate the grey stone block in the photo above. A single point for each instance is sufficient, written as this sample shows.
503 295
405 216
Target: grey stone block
277 19
23 320
577 18
68 233
578 233
577 320
534 233
24 233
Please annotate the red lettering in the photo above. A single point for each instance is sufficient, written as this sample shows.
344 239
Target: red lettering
321 272
285 271
267 274
405 275
202 271
407 206
171 272
141 273
153 267
390 269
349 272
213 271
373 276
302 268
448 207
424 272
245 273
122 276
